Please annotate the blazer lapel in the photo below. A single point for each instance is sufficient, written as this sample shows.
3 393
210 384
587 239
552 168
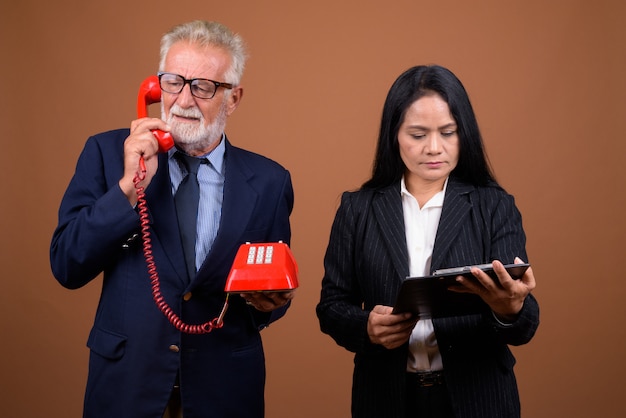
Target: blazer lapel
387 209
456 208
163 215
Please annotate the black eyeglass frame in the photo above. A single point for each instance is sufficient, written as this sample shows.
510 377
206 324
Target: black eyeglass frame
217 84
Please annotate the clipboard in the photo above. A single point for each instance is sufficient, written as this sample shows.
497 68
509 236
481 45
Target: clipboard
429 297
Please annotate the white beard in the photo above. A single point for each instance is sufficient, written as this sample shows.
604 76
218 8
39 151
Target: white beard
195 137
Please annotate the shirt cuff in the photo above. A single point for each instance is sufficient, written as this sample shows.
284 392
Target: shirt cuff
504 324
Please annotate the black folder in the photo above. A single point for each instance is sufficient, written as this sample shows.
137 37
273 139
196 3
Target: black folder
429 297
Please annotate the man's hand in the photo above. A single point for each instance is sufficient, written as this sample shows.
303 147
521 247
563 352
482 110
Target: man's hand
140 143
268 301
387 329
505 296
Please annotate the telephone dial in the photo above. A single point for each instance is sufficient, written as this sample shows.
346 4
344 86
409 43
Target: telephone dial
263 267
257 267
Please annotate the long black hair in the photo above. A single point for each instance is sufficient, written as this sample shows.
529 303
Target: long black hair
472 167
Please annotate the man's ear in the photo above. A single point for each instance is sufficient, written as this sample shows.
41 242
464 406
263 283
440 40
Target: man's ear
234 99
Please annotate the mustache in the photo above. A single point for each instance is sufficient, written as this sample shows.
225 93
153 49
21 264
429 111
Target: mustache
192 112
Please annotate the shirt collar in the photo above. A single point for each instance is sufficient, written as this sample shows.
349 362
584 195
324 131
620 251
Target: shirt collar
435 201
215 156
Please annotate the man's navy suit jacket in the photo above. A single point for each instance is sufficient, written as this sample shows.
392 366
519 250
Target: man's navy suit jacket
135 352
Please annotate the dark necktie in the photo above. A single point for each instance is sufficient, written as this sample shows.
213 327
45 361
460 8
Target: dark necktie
186 200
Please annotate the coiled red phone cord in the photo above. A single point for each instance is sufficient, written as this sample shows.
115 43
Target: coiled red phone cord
154 275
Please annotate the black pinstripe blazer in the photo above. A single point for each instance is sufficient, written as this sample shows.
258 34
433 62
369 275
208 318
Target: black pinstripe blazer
365 263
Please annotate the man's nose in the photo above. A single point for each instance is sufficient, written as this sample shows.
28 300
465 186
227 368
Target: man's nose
185 98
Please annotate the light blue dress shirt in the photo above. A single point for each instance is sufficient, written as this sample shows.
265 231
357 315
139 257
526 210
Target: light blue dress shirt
211 180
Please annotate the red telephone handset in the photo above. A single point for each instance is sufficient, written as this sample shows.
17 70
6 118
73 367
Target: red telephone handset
150 92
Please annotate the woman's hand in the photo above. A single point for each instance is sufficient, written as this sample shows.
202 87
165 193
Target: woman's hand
505 296
388 329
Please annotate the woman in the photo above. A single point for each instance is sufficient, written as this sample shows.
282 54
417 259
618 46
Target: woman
431 203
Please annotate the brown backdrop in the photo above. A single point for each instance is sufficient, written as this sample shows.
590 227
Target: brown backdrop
547 83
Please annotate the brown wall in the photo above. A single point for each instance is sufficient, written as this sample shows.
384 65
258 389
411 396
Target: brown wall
547 83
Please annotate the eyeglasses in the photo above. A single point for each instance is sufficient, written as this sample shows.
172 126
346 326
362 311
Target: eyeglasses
201 88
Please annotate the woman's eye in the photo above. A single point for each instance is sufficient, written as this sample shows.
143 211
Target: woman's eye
448 133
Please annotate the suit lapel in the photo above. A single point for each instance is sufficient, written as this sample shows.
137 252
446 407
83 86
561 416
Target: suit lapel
163 216
387 209
239 202
456 208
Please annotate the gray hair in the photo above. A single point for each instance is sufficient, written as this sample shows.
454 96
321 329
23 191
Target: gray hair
204 33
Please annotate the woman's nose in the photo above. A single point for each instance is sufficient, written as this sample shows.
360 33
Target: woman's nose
434 144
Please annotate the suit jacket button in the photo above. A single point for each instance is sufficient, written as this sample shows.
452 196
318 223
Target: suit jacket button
130 241
174 348
187 296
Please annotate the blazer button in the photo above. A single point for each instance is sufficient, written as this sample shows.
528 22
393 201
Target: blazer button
187 296
174 348
130 241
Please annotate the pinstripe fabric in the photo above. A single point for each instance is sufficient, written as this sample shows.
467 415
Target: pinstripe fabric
365 263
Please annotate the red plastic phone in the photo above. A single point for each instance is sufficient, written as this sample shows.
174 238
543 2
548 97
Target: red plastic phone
149 93
266 267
